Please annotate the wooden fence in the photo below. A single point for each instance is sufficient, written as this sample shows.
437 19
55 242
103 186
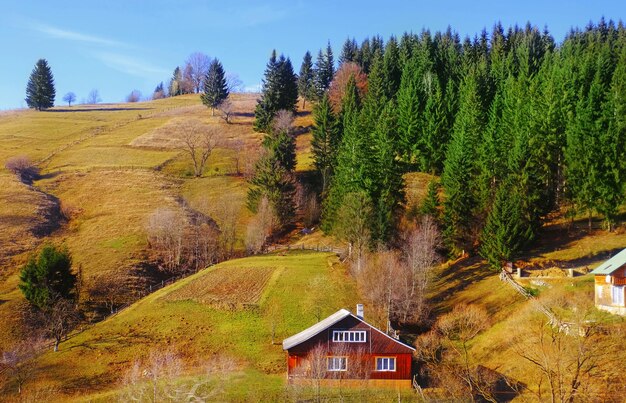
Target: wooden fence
553 320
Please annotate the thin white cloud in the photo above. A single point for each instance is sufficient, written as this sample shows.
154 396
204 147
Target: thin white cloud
252 88
129 65
59 33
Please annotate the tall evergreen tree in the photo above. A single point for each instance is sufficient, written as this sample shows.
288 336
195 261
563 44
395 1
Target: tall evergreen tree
459 171
506 230
352 157
349 52
324 70
391 67
40 90
279 92
325 141
215 88
385 176
306 87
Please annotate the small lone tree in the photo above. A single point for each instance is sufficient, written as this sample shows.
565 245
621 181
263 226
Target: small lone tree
48 277
93 97
69 98
199 142
40 90
215 86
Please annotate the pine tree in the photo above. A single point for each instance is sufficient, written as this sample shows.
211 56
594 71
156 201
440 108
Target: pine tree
325 141
45 279
40 90
506 231
215 88
305 79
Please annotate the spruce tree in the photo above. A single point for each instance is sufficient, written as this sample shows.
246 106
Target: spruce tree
352 157
40 90
324 70
391 68
410 108
325 141
280 91
459 171
349 52
215 88
305 79
385 176
46 278
277 184
431 204
506 230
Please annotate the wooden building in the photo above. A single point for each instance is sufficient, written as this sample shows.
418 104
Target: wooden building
343 347
610 284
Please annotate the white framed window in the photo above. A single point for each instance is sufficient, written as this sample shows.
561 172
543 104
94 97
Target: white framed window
350 336
337 363
599 291
387 364
617 295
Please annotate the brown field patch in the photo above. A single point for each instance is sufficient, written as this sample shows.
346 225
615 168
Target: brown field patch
226 287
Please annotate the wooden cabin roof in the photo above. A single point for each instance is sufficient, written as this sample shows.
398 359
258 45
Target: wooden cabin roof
612 264
348 320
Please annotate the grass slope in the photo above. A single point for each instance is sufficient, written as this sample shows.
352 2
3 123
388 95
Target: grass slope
175 319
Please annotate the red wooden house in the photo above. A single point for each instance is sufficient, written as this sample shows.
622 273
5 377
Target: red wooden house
343 347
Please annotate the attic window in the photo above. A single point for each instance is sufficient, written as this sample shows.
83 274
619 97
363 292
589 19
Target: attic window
349 336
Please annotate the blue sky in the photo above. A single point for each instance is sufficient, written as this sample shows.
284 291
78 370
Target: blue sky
116 46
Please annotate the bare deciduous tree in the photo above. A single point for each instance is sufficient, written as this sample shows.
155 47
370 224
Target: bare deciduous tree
233 83
419 249
110 291
23 168
445 353
575 363
153 378
69 98
17 365
199 140
226 109
55 322
198 65
283 121
261 227
93 97
166 229
237 146
134 96
225 211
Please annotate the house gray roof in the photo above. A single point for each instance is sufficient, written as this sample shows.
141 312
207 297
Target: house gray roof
315 329
612 264
324 324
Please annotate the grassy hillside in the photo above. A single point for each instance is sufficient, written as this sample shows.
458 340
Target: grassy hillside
226 310
107 167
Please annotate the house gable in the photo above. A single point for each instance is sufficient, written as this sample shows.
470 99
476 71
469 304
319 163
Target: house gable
376 342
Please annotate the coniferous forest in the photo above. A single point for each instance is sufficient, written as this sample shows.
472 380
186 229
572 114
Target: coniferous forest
514 123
